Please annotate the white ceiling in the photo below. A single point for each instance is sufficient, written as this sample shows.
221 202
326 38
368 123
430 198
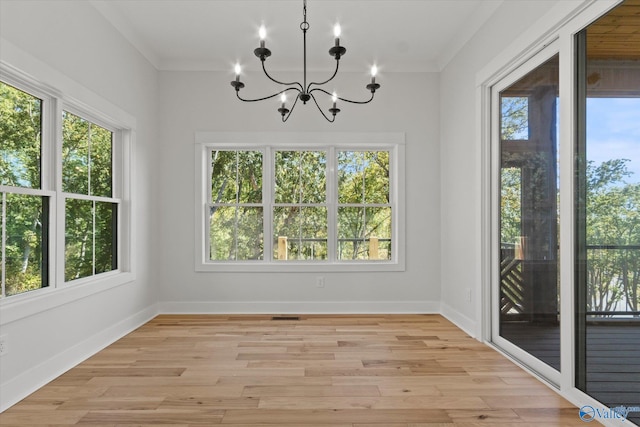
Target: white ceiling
398 35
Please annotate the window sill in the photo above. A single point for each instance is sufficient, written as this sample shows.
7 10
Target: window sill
17 307
300 267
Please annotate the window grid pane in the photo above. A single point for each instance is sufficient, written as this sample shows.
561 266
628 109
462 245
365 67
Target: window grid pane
20 137
106 237
101 161
79 242
75 154
300 233
300 177
87 157
26 243
236 177
236 233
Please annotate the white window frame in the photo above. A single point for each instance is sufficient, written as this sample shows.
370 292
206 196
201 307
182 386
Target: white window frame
46 182
549 51
267 142
44 83
116 189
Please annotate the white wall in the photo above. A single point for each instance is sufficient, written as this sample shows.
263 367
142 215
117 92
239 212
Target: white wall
500 40
204 101
69 46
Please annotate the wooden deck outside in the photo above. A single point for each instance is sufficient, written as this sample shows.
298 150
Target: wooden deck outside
613 357
320 371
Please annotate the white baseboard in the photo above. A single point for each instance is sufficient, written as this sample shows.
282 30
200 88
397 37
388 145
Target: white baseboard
28 382
301 307
467 324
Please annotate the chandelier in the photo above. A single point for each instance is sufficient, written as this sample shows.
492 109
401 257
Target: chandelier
304 91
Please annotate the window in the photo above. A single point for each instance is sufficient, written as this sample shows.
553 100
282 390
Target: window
24 205
300 208
280 206
235 213
90 210
63 180
364 208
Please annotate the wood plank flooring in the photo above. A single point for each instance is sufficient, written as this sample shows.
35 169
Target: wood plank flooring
612 357
320 371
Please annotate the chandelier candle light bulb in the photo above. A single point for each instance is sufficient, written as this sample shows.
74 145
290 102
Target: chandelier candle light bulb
334 110
237 84
283 110
336 33
262 33
305 91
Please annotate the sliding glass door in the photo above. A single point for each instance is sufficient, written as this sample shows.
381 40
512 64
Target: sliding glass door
608 209
526 267
581 242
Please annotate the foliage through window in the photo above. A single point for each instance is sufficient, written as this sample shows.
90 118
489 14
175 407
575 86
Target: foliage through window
306 205
300 209
74 194
364 211
90 211
514 118
235 213
24 205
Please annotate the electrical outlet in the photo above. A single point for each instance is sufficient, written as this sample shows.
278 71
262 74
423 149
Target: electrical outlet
320 282
468 294
3 345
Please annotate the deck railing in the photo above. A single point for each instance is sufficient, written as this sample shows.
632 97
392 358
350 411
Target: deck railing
372 246
623 283
614 288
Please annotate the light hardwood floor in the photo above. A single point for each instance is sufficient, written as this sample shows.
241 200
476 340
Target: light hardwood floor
320 371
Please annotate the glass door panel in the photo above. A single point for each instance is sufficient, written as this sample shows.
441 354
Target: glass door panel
526 296
608 210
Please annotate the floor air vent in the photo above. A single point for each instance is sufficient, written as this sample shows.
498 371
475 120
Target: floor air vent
285 318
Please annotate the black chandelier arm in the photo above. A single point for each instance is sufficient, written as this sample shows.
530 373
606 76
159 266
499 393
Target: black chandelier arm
293 106
330 120
335 73
342 99
267 97
279 82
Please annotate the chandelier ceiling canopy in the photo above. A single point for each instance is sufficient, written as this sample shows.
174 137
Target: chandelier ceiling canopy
304 91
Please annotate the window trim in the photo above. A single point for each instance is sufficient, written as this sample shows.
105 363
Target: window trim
43 82
62 196
392 141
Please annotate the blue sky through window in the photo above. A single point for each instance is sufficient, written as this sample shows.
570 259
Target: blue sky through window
613 132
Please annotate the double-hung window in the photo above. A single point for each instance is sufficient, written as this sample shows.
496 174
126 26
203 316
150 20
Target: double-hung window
235 209
64 190
24 199
91 211
299 209
282 205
